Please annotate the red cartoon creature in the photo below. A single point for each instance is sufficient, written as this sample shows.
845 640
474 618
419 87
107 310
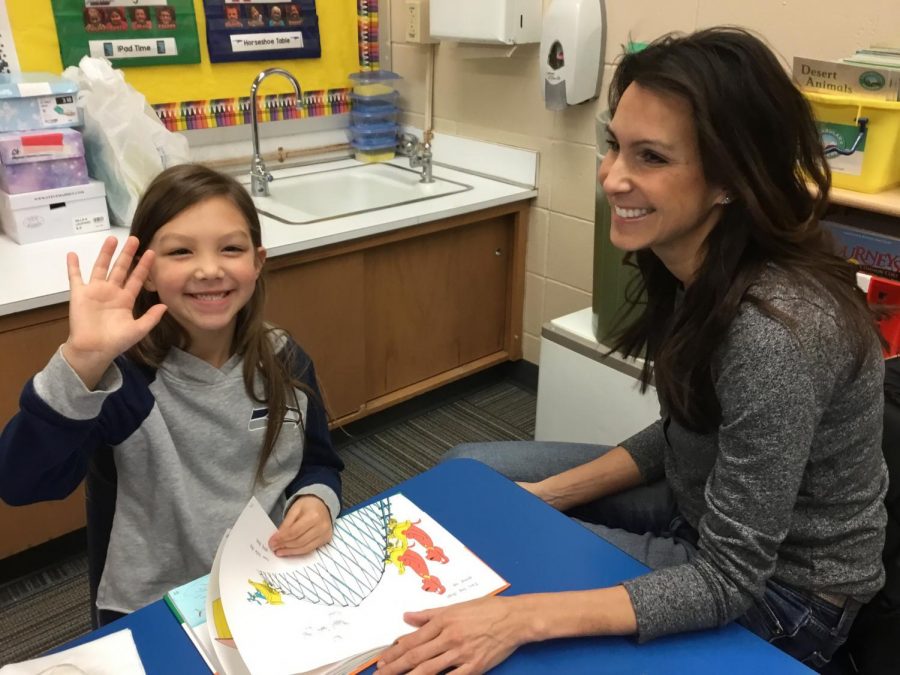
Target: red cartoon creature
399 553
414 561
432 552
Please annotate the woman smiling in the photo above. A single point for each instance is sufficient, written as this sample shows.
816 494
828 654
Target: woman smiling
757 497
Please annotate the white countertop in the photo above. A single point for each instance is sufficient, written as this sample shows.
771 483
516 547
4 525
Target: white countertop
34 275
576 331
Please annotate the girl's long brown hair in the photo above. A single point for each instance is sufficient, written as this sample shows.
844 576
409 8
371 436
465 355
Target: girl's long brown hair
171 192
758 140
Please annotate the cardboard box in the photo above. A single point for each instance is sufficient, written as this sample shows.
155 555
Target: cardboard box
37 101
875 252
46 214
830 77
41 160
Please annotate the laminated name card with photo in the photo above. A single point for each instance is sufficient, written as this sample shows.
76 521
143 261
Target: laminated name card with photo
334 610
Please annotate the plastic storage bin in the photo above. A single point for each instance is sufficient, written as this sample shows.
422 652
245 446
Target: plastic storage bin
376 135
373 115
373 82
874 165
37 101
41 160
363 117
383 103
374 144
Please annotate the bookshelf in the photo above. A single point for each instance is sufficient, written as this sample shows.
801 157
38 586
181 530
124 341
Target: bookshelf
887 202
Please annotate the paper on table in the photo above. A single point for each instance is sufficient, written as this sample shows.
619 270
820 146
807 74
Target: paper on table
348 597
113 654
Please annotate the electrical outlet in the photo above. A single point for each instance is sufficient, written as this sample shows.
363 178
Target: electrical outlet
413 12
417 28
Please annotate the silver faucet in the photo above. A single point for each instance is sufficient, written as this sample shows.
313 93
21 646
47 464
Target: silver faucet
259 177
419 153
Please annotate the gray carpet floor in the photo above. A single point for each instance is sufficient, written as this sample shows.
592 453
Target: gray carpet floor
51 606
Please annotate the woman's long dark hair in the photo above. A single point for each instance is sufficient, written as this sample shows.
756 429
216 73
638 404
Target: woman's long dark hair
171 192
758 140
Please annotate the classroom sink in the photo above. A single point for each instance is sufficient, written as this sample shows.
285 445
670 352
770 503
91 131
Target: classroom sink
299 197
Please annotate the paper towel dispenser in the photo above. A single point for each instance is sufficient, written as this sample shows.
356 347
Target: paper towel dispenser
573 41
508 22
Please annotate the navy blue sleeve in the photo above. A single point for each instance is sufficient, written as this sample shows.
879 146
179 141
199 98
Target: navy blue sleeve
44 454
321 464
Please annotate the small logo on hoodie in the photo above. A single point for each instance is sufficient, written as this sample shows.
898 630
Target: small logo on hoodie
259 418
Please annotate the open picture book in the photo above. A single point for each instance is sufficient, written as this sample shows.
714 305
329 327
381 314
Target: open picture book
333 610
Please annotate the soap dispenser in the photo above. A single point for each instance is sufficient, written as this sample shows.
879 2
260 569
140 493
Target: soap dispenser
573 41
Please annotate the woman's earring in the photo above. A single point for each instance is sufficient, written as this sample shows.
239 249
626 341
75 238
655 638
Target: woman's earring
726 199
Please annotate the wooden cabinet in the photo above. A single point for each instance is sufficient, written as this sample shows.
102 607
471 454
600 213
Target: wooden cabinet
27 341
320 303
393 315
887 202
385 318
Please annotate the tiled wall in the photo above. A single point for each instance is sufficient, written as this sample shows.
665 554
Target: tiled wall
499 100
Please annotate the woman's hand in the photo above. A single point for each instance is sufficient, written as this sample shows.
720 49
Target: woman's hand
306 527
533 488
542 491
471 637
101 323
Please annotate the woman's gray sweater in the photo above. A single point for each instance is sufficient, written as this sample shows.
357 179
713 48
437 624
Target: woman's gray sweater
791 483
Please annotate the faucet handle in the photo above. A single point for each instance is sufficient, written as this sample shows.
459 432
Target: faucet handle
407 144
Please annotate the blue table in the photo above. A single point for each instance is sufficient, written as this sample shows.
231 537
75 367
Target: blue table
536 549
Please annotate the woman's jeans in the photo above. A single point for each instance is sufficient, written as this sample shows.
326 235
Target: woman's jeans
645 523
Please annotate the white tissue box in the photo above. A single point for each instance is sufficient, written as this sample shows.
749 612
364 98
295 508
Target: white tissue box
46 214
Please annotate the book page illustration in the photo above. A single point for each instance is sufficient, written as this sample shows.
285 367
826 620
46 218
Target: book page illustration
290 615
226 654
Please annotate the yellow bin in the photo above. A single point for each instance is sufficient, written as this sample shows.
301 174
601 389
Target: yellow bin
875 163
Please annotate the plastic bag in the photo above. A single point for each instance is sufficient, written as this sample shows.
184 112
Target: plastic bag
126 145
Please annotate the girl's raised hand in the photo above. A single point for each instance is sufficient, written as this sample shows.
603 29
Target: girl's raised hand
101 323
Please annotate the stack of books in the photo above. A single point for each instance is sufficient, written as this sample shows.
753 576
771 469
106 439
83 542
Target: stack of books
333 610
873 73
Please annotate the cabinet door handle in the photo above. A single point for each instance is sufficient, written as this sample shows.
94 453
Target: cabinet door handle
498 252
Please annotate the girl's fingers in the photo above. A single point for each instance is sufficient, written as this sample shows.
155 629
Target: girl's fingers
139 274
292 543
101 265
151 317
74 269
119 272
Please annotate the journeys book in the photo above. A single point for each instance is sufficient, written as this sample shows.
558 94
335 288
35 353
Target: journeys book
333 610
188 603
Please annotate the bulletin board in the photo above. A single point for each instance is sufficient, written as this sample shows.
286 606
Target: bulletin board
244 30
209 94
143 33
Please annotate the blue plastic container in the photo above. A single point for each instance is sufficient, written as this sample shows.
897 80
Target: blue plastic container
374 136
379 102
384 115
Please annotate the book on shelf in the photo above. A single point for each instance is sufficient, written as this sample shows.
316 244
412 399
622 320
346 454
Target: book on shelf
884 48
865 80
871 58
335 609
